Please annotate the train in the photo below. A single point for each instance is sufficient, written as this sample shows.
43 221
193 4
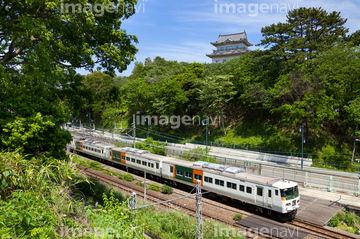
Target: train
268 195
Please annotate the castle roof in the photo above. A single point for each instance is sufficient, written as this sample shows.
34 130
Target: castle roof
232 38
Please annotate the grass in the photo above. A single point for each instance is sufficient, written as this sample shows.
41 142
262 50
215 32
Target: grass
237 216
166 189
126 177
155 187
174 224
140 183
347 221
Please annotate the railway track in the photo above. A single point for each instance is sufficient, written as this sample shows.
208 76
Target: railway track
174 205
320 230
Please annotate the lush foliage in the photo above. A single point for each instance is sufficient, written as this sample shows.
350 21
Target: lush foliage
39 53
152 146
347 221
40 199
174 224
199 154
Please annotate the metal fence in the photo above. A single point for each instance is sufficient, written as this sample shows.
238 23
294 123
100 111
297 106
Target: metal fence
310 179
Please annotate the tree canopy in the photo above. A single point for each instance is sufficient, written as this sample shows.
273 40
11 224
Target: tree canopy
41 46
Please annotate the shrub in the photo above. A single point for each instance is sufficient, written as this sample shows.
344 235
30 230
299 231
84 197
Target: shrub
95 165
154 187
237 216
140 183
166 189
127 177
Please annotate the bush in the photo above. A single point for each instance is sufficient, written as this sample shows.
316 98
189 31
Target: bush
140 183
95 165
127 177
154 187
237 216
166 189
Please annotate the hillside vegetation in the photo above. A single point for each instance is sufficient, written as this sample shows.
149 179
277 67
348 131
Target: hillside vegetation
39 199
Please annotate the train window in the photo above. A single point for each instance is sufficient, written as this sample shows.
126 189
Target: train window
259 191
219 182
102 151
122 157
248 189
171 169
242 188
231 185
157 165
149 164
152 165
269 193
179 172
276 192
207 179
133 160
188 175
144 163
127 158
198 177
138 161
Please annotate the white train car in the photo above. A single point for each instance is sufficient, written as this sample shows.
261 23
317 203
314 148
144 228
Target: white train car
267 194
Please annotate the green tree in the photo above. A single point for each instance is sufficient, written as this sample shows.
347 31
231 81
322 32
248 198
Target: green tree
323 89
137 96
39 52
169 97
104 93
214 93
306 33
355 38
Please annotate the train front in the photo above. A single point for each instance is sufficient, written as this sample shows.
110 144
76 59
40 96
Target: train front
289 199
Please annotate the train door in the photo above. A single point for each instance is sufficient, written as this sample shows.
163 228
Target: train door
260 195
269 196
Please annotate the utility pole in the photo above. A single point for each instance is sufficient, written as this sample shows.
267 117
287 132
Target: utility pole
206 121
353 153
112 126
302 145
134 128
199 221
144 185
89 114
148 126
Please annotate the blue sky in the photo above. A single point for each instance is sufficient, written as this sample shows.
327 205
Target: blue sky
183 30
